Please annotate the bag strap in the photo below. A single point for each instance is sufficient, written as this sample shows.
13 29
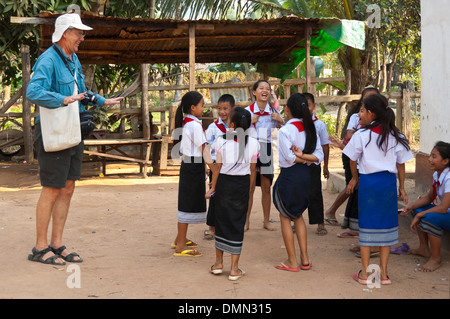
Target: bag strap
66 64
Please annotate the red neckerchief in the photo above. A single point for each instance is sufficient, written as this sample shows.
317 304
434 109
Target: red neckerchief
376 129
298 125
188 119
436 184
314 118
221 126
252 108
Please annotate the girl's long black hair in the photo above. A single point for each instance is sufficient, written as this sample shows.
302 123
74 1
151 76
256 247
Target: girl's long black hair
298 105
242 119
357 107
189 99
385 118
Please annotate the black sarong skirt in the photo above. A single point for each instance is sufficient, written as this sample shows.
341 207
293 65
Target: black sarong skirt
191 191
231 204
291 190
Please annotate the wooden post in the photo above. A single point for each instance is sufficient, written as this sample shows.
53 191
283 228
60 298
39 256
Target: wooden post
191 57
144 102
164 153
26 105
172 112
145 112
407 121
307 56
287 91
312 74
162 101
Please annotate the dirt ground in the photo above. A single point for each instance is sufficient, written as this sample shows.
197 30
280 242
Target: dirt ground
122 225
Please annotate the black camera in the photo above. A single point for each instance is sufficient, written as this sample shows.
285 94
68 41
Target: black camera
89 97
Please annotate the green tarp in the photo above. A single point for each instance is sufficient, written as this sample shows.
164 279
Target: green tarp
335 33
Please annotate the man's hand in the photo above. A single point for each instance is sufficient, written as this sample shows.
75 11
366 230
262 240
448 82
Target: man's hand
73 98
113 101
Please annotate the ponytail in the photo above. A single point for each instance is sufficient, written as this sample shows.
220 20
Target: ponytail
179 116
189 99
298 105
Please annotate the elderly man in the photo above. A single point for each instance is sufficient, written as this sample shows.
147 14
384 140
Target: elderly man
53 86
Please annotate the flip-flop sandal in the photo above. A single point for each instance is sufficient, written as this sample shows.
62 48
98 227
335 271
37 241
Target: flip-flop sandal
38 254
306 267
401 250
361 281
386 281
355 249
347 235
189 244
216 271
321 231
332 221
188 253
234 278
208 235
70 257
282 266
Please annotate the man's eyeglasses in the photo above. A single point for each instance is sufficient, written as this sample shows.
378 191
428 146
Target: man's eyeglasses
79 33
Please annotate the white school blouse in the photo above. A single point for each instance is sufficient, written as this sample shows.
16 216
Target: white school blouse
371 158
292 134
229 153
321 130
193 136
353 122
262 129
214 130
441 183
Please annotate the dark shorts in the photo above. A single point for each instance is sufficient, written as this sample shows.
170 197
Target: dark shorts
55 168
264 164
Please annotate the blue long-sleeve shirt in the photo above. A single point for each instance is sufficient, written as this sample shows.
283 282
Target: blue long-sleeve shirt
52 81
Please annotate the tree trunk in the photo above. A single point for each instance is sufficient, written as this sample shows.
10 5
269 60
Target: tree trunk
378 76
391 65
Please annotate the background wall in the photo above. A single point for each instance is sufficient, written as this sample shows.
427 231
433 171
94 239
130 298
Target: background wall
435 91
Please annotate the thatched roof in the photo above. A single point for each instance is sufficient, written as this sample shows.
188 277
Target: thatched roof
140 40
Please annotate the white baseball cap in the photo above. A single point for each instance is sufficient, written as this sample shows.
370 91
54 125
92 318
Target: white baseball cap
66 21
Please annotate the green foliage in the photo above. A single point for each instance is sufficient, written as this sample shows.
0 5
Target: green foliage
14 35
330 122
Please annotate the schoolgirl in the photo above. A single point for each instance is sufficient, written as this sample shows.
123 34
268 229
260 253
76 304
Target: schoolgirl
382 152
350 221
219 127
264 119
298 147
191 187
432 217
316 208
237 154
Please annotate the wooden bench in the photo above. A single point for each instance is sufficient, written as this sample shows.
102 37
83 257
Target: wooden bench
158 146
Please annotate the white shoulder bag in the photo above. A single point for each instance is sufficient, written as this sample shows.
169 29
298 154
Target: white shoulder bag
61 126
